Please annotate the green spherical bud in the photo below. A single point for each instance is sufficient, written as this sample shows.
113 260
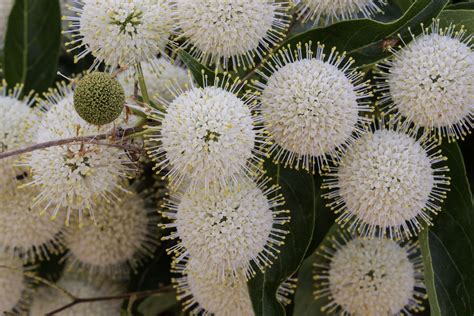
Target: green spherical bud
99 98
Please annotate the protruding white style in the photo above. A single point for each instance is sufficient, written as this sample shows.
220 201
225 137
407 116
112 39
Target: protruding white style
326 12
207 135
370 277
311 105
5 9
73 177
388 184
120 33
202 294
47 299
235 228
430 82
17 128
286 290
12 283
24 232
231 33
160 75
125 235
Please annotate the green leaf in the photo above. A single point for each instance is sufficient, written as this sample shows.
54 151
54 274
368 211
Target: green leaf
363 39
448 246
461 6
198 70
305 304
458 17
157 304
32 44
299 191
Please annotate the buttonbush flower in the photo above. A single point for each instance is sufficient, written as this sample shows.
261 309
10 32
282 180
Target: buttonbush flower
232 229
370 277
286 290
330 11
75 176
208 135
311 104
17 127
388 184
430 82
123 237
24 232
120 33
231 33
202 294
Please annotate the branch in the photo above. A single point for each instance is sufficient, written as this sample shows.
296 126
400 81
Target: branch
136 295
93 139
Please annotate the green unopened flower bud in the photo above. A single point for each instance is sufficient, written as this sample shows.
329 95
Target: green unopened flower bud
99 98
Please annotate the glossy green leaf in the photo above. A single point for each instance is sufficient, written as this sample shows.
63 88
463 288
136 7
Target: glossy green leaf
461 6
305 304
363 39
298 188
448 246
156 304
33 43
458 17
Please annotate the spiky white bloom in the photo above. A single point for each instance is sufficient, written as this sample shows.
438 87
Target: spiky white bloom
430 82
160 75
286 290
202 294
330 11
73 176
24 232
5 9
208 135
12 283
232 229
388 183
48 299
311 103
123 237
17 125
233 31
370 277
120 33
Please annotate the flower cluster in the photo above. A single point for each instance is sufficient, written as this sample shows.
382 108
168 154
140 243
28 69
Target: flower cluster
83 152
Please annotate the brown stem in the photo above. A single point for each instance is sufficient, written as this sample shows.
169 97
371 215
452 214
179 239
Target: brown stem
137 295
93 139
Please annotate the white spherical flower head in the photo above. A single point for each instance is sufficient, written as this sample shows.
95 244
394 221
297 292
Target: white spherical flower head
24 232
121 33
124 236
48 299
310 105
162 77
12 284
74 176
5 9
203 295
235 228
17 125
330 11
430 82
206 135
426 82
370 277
387 183
232 31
